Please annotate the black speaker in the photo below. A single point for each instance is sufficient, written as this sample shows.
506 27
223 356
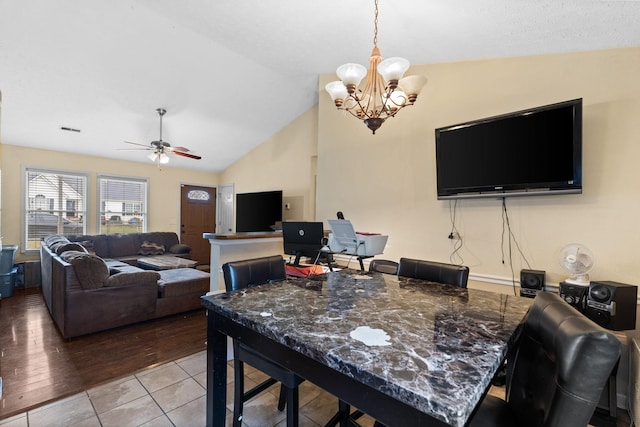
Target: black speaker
531 282
574 295
612 305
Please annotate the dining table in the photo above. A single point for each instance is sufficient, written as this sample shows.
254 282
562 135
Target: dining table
407 352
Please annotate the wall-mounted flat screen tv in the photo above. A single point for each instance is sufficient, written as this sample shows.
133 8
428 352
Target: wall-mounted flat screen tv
258 211
530 152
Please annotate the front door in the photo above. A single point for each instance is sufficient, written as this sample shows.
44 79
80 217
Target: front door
197 216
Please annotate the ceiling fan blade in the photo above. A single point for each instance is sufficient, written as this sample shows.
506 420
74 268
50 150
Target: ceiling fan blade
135 143
191 156
134 149
179 149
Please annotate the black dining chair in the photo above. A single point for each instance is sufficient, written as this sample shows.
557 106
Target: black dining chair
384 266
560 367
241 275
450 274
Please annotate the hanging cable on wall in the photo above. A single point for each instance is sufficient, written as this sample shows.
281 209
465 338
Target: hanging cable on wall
455 257
506 228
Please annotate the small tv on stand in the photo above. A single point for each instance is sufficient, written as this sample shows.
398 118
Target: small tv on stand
302 238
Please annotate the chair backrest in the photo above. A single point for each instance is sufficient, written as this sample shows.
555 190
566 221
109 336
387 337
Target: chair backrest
251 272
440 272
562 364
7 258
384 266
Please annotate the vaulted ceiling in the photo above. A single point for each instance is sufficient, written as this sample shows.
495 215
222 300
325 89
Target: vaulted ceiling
231 73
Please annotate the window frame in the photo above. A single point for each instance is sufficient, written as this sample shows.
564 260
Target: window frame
100 211
26 209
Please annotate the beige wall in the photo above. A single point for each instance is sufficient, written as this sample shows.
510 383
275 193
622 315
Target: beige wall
164 185
386 182
287 162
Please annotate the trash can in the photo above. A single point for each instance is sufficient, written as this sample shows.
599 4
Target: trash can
8 271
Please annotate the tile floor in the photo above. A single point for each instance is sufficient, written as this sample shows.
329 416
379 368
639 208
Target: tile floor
173 394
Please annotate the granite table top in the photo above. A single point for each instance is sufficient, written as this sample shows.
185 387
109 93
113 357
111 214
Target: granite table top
432 346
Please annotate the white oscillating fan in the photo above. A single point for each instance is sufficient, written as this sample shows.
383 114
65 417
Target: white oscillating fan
577 260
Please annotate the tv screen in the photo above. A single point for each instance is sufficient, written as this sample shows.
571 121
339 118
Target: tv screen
529 152
301 238
258 211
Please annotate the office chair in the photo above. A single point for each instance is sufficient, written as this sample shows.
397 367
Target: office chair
384 266
240 275
449 274
559 369
8 272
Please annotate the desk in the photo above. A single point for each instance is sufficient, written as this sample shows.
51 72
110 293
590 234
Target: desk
446 343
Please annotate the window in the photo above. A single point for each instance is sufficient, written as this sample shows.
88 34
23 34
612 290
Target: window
123 205
54 203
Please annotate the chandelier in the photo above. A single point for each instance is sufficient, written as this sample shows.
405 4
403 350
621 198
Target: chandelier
385 91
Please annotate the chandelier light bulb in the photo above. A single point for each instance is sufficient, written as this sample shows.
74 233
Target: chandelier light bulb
351 75
392 69
337 91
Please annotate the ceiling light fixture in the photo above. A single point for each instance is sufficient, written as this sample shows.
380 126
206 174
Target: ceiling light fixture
385 92
159 157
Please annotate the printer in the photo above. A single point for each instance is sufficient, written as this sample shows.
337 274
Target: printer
344 239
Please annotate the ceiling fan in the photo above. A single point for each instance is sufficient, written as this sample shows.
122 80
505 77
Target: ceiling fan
160 149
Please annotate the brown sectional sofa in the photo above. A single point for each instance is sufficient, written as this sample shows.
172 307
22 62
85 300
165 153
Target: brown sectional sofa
87 293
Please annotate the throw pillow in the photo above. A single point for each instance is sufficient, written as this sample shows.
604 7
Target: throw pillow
70 246
179 248
150 248
91 270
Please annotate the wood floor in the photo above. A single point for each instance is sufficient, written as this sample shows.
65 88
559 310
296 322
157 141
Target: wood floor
38 366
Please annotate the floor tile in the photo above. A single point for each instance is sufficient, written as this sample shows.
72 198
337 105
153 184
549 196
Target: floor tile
193 414
134 413
65 412
194 364
16 421
116 393
178 394
162 421
161 376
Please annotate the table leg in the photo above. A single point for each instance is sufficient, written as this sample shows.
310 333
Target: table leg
216 374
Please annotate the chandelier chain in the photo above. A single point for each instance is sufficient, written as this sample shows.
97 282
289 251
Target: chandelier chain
375 25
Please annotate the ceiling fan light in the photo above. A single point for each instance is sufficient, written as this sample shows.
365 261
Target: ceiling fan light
164 159
152 157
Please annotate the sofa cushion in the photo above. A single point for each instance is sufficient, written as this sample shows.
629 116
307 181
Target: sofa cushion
129 278
91 270
151 248
54 238
88 246
123 244
179 248
69 246
97 242
166 238
182 281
